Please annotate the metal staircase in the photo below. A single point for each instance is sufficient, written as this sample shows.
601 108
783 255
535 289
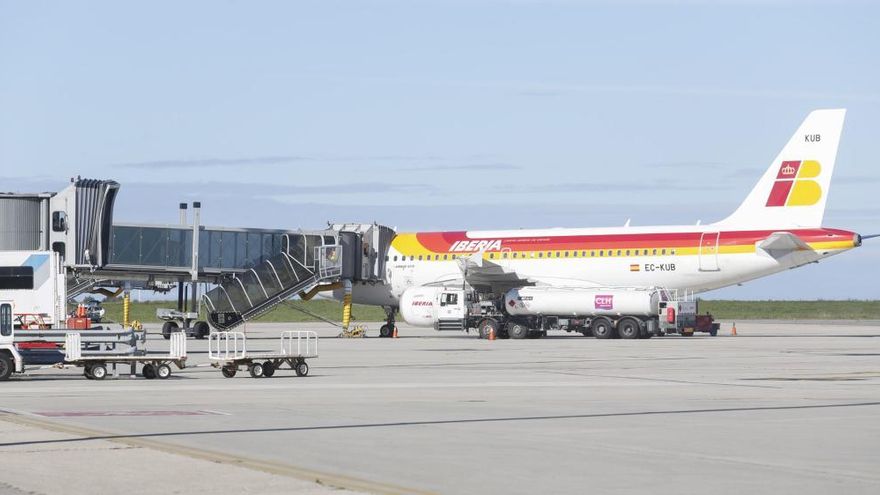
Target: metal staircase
305 262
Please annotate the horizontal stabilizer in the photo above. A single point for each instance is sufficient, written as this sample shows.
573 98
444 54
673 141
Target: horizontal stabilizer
781 244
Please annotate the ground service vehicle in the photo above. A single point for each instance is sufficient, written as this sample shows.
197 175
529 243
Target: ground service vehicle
528 312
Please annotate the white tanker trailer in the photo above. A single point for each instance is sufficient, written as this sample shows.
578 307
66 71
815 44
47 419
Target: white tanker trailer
629 313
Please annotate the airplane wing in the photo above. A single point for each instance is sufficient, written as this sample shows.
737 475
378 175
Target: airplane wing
485 275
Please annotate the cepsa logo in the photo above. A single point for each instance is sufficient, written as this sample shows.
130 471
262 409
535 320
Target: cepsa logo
422 303
604 302
487 245
794 185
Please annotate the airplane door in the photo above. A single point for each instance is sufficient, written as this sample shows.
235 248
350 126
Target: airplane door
708 252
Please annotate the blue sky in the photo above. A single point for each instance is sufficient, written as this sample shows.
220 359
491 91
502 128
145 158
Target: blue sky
444 115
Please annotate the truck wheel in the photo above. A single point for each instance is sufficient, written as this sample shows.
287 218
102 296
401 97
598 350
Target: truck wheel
167 328
302 369
386 331
6 366
98 371
268 369
149 371
602 328
628 328
163 371
256 370
228 371
517 330
201 330
487 326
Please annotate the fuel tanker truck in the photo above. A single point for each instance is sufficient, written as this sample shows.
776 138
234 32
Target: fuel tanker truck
529 312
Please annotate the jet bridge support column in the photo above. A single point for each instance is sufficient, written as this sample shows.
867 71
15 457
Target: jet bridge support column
346 305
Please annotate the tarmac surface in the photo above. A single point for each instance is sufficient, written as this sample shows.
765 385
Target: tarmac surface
781 408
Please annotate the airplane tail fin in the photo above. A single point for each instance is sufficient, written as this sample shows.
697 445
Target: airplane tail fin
793 191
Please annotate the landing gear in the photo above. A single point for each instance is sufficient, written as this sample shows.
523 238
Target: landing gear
387 330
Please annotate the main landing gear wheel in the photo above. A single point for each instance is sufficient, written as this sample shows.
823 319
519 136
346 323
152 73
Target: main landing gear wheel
268 369
163 371
201 330
168 328
628 328
602 328
149 371
486 326
98 371
302 369
228 372
387 331
517 330
256 370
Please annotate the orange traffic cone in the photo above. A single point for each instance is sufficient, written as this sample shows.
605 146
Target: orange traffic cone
491 333
394 334
733 330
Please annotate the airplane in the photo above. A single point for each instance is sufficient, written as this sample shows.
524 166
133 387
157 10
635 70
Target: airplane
778 226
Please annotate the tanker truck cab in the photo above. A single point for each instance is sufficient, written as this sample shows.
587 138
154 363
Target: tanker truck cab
10 359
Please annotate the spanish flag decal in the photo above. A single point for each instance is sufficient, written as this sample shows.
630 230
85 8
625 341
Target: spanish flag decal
634 267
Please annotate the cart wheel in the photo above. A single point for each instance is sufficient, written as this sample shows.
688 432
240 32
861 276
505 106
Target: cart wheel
149 371
98 371
256 370
163 371
87 372
268 369
201 330
228 371
302 369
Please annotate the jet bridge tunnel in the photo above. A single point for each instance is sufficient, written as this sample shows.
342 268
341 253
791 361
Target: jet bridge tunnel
250 271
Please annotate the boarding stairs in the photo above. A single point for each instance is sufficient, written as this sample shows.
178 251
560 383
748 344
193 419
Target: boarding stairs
300 267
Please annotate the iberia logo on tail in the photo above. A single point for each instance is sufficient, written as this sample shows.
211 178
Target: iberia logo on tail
794 185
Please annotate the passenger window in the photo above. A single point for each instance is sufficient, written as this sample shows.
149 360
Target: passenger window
515 255
566 254
420 257
654 252
504 255
592 254
395 257
491 256
445 256
412 258
627 252
558 254
618 252
663 251
541 254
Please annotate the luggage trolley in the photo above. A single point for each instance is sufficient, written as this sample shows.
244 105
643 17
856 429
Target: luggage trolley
228 351
154 365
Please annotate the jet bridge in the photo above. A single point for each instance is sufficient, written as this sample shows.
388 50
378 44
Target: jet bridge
251 270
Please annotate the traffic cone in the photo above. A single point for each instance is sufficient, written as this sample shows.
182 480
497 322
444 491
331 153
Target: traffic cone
492 333
733 330
394 334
